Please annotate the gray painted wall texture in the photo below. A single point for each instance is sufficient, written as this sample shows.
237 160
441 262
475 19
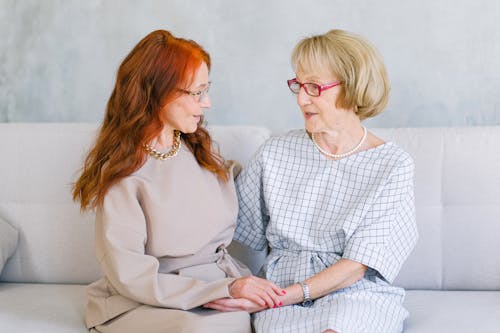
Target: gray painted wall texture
59 58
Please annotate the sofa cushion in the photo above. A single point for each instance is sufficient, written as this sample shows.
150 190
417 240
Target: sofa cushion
452 311
457 195
56 243
8 242
60 308
42 308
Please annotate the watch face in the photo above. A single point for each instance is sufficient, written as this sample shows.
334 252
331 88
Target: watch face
307 303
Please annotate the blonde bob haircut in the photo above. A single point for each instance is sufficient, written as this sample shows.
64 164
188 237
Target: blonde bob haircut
354 61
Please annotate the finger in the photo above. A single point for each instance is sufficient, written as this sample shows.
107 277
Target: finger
263 294
275 299
257 290
219 307
268 285
229 304
269 301
233 303
277 290
240 303
256 299
268 294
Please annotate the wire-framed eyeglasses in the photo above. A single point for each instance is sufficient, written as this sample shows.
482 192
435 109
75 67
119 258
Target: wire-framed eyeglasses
312 89
199 95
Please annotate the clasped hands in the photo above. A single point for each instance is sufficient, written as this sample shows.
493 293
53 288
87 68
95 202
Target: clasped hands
251 294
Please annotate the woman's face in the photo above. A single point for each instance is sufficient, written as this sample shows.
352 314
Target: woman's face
320 113
185 112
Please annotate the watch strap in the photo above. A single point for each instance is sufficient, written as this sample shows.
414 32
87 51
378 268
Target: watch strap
307 294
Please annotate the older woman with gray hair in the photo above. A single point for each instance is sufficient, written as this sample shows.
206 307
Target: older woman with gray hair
334 203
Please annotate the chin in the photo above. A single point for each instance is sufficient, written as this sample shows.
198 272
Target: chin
190 129
310 128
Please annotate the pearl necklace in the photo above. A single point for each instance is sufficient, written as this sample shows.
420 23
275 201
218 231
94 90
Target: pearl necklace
350 152
171 153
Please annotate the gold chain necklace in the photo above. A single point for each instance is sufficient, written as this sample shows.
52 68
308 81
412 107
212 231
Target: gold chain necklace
171 153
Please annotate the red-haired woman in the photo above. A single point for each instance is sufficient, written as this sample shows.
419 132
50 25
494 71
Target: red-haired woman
165 201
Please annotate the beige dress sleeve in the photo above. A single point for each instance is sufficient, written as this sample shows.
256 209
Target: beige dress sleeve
122 235
161 235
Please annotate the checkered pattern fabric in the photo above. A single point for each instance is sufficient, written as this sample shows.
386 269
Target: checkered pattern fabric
312 211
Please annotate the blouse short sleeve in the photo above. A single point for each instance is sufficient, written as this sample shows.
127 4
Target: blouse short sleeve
388 233
252 215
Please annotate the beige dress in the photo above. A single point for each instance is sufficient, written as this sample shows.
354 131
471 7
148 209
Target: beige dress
161 238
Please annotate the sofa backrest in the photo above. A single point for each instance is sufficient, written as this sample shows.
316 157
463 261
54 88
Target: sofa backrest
457 194
39 164
457 191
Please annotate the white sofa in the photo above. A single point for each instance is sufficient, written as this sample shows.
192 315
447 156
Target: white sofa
452 277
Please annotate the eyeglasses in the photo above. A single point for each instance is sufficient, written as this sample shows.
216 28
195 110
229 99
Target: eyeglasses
312 89
199 95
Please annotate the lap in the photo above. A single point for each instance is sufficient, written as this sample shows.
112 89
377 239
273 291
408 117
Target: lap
343 313
150 319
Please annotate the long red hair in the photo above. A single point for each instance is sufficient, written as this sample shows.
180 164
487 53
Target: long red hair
147 79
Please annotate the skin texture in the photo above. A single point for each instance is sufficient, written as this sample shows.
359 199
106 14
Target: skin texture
183 114
336 130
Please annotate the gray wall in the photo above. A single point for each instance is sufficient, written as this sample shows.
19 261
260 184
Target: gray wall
59 57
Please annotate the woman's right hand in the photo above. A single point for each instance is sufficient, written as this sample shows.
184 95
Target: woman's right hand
234 304
257 290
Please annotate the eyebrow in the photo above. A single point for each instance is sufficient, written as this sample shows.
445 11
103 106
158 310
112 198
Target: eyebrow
311 78
202 85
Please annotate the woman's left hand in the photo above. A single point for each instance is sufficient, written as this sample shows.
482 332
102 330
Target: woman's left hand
234 304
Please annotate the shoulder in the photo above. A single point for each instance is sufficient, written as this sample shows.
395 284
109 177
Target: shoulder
137 180
397 162
392 155
400 157
285 141
277 150
385 162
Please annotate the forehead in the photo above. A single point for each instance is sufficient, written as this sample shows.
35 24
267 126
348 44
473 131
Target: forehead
200 76
314 73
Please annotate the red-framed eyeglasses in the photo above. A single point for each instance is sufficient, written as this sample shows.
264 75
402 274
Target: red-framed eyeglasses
312 89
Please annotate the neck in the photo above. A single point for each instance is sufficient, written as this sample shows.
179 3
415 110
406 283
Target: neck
165 139
340 140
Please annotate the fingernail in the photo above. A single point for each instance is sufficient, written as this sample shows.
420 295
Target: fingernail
281 303
284 292
274 306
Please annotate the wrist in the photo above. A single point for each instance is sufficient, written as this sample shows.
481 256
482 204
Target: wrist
294 294
229 288
306 294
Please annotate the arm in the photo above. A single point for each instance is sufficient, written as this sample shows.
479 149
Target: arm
340 275
121 235
252 214
381 243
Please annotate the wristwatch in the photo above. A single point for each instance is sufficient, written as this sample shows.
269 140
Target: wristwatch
307 295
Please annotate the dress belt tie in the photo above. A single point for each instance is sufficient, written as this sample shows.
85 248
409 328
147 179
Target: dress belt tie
221 257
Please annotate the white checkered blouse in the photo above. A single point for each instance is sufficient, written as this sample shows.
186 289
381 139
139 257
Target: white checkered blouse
312 211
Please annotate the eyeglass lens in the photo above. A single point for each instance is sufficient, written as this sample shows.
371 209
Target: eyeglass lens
312 89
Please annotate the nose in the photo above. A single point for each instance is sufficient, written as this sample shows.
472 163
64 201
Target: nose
302 97
205 102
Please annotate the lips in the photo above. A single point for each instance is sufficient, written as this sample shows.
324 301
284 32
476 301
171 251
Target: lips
309 115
